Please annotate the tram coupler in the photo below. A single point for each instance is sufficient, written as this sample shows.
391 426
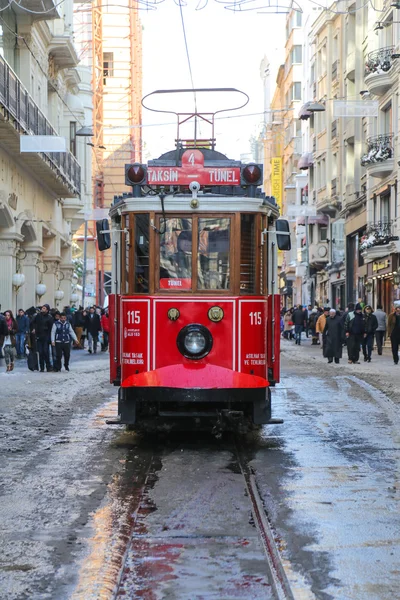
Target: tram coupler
275 422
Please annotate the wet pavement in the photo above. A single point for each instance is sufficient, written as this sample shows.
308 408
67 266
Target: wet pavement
90 511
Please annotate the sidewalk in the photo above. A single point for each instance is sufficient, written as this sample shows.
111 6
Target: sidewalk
381 372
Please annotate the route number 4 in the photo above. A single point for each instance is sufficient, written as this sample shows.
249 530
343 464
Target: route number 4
255 318
133 317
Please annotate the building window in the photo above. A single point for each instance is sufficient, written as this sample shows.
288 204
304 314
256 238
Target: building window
296 54
72 137
296 90
108 65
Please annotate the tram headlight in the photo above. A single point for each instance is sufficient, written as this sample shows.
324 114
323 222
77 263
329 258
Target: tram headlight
194 341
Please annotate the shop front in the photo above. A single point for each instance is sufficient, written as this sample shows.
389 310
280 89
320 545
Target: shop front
383 282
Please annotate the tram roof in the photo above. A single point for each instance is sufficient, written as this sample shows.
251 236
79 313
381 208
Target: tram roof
206 203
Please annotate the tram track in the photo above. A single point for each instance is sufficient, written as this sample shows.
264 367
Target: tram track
164 552
278 578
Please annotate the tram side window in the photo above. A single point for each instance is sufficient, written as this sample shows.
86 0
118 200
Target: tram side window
213 265
127 246
247 254
142 258
176 254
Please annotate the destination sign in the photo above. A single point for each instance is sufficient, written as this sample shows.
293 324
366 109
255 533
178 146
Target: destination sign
193 169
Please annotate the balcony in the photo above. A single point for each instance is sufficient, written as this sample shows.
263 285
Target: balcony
377 239
329 205
19 115
42 10
379 75
379 158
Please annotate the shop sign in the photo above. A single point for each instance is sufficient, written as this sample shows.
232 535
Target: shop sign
276 179
380 265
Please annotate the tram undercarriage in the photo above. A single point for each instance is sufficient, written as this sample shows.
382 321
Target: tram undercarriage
217 410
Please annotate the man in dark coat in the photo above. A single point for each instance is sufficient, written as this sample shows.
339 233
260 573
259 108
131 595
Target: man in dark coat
42 325
394 333
93 326
333 337
354 327
371 325
298 319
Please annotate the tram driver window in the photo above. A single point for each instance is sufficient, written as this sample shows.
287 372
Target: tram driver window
176 254
213 265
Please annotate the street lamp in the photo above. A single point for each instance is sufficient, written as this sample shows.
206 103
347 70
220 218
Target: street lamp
84 132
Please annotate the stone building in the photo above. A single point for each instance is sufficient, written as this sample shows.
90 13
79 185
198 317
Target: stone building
42 92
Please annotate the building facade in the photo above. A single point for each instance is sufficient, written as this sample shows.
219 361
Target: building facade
41 193
350 148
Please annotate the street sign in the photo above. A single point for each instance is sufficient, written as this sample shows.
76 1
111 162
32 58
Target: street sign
295 210
355 108
193 169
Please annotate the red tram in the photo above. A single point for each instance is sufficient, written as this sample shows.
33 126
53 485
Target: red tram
196 316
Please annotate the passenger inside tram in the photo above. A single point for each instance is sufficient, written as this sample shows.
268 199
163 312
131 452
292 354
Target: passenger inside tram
178 265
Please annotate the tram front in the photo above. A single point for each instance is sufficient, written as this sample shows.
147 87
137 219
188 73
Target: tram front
196 333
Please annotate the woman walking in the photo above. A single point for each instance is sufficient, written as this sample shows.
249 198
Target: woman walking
10 340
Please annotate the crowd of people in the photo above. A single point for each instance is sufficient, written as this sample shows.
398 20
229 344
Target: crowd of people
44 336
356 328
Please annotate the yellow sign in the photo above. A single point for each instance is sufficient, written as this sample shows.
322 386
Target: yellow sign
276 179
378 266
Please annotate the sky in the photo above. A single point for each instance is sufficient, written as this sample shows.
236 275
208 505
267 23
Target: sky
225 50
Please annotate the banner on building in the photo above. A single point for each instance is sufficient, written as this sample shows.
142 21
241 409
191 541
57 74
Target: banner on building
276 179
355 108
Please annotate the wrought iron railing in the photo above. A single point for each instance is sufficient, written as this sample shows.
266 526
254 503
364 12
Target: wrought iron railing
379 149
378 234
19 104
379 61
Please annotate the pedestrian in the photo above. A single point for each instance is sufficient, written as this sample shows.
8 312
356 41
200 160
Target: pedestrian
10 329
56 317
333 337
105 326
371 324
381 329
23 330
306 314
394 333
42 326
312 323
355 328
61 334
287 325
299 323
93 326
321 322
78 323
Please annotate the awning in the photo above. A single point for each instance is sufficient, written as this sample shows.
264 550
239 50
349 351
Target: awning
306 161
318 220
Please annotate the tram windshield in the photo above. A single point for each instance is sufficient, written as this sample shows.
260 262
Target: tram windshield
211 253
176 254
